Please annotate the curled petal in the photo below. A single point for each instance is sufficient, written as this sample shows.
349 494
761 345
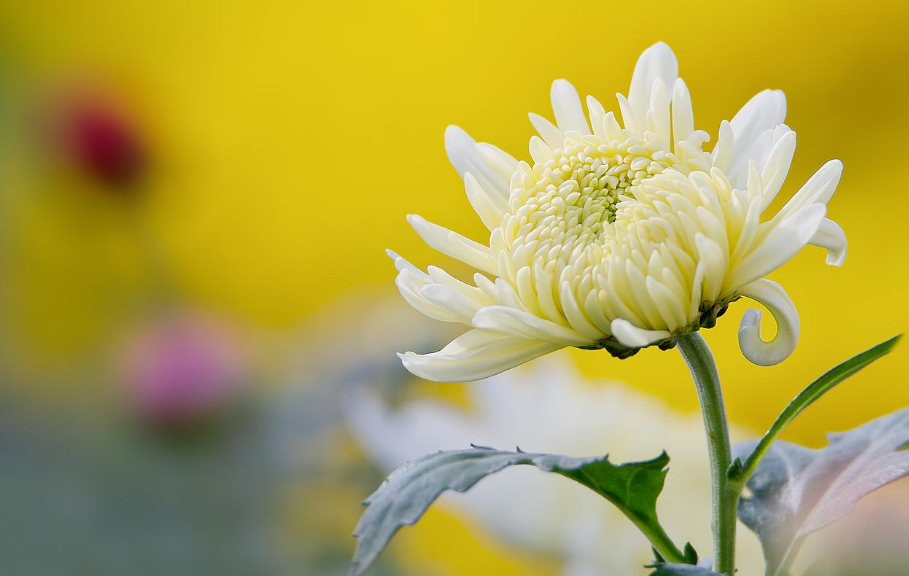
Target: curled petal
755 348
474 355
632 336
832 238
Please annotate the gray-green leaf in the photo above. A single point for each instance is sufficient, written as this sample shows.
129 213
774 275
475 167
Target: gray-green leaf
796 491
409 491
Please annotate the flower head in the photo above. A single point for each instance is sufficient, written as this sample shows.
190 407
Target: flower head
621 236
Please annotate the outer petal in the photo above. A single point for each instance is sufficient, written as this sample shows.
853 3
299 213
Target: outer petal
656 62
566 104
465 157
525 325
682 114
634 337
818 189
775 170
755 348
548 131
489 207
832 238
454 245
752 128
474 355
765 111
784 241
411 281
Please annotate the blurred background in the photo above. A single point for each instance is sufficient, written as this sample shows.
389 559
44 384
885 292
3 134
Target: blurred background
197 319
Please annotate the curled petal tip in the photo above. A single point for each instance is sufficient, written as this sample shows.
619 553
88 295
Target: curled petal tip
754 347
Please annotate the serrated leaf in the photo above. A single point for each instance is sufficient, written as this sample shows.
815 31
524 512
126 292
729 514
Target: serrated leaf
796 490
682 570
409 491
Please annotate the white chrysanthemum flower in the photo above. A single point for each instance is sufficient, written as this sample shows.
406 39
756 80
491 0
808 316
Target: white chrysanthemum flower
621 238
543 513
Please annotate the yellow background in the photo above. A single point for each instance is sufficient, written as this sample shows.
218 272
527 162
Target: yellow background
294 137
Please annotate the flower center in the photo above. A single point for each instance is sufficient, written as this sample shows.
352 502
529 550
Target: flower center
575 195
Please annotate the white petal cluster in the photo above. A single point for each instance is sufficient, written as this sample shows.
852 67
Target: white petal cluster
621 236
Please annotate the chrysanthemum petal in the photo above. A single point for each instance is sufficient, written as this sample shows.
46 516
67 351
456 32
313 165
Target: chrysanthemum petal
566 104
453 300
548 131
525 325
499 160
658 113
818 189
682 114
832 238
656 62
411 284
754 347
465 157
597 114
721 157
785 240
633 337
489 207
454 245
777 167
474 355
765 111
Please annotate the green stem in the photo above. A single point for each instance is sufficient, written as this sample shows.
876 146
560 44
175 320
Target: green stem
700 362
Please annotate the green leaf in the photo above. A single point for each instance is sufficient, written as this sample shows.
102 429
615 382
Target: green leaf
681 570
797 491
409 491
740 472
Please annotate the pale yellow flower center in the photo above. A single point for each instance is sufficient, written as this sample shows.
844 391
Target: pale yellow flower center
573 201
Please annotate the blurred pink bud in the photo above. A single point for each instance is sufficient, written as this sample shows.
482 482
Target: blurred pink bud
182 369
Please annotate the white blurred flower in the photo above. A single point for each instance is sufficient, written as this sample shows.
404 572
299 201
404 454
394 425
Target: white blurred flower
549 408
871 541
621 237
